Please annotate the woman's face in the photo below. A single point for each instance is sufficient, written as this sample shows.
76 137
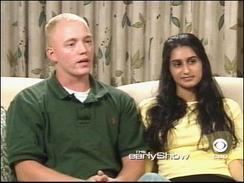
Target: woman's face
185 68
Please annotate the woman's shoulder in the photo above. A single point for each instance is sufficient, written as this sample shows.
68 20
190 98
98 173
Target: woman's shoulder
232 107
144 106
147 103
230 103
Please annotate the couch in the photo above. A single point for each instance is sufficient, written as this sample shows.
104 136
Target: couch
10 86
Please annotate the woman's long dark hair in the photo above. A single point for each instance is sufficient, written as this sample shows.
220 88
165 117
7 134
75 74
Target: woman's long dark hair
170 107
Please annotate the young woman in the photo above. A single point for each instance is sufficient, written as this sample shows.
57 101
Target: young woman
195 131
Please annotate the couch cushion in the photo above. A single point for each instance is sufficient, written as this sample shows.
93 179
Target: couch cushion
232 88
10 86
6 173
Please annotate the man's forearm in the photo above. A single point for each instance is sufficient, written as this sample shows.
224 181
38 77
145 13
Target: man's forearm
30 170
132 170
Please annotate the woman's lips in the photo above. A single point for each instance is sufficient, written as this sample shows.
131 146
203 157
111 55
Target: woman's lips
188 78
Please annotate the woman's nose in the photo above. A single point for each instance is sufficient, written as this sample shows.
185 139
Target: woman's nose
185 68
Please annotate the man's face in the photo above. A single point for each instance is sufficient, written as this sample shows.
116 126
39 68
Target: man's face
71 48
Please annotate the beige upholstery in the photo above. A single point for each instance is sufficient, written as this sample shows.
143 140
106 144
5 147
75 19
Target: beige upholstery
231 87
10 86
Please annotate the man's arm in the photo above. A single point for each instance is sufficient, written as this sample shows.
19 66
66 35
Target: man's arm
236 169
30 170
132 170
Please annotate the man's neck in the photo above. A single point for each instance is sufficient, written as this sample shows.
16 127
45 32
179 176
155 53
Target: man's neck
79 84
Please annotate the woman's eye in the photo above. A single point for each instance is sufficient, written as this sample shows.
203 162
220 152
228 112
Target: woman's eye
176 64
192 61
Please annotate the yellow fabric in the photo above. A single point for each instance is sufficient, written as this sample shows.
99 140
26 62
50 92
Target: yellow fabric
183 142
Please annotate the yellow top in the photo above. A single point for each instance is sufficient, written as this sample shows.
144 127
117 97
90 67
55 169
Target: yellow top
183 157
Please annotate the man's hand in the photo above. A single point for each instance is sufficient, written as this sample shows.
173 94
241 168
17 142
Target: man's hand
131 171
100 177
101 173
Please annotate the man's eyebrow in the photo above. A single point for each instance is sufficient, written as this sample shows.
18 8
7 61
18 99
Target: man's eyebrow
88 37
75 39
70 40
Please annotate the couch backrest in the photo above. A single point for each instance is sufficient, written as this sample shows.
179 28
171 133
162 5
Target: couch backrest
10 86
231 87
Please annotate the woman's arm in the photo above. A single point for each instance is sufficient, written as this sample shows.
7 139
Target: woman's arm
236 169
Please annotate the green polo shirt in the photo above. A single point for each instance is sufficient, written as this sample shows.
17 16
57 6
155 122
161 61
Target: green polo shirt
47 124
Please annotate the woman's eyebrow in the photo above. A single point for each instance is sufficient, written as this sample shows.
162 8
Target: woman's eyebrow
177 60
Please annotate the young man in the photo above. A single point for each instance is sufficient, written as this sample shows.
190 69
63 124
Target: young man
71 127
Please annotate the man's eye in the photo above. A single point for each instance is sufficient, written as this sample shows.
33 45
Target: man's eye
70 44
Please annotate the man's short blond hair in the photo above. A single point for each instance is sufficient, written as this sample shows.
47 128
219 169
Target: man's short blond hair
54 20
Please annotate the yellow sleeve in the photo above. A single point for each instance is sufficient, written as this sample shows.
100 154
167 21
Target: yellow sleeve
143 106
234 111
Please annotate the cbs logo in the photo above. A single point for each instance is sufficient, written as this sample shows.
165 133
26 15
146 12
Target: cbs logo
220 145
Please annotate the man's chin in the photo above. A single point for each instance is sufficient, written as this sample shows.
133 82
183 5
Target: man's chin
83 72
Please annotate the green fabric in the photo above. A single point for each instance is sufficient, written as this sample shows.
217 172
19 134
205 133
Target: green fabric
47 124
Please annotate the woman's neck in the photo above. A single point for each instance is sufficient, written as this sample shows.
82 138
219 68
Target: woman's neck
187 95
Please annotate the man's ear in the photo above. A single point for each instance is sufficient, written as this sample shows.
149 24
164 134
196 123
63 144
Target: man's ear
50 54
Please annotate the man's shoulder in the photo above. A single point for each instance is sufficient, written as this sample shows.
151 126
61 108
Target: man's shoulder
31 96
115 92
34 91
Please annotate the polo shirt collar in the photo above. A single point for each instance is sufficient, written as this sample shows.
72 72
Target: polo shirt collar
98 89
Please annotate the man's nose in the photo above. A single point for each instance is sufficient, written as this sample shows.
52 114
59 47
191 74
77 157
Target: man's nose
81 48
